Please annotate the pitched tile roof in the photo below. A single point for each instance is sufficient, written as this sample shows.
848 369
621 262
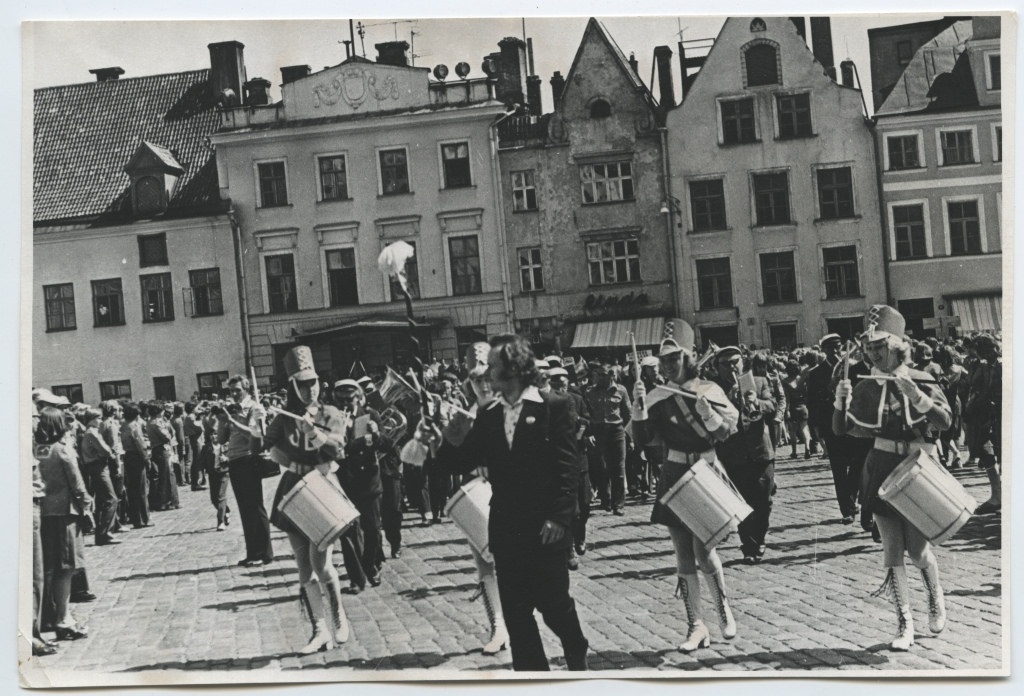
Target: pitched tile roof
85 134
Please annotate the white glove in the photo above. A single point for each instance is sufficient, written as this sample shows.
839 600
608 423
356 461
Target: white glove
704 409
918 399
844 390
639 390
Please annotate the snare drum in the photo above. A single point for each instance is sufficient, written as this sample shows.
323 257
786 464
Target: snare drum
319 509
706 503
470 509
928 497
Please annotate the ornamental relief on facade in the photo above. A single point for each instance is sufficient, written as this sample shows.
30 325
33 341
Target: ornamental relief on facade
353 86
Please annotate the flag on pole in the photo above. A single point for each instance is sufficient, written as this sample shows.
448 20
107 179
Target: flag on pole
394 389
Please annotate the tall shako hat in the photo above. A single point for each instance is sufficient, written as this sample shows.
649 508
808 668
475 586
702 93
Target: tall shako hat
884 321
677 336
298 363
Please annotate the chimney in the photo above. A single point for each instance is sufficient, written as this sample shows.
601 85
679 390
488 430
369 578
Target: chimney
107 74
292 73
257 92
633 64
821 44
666 85
533 94
513 69
393 53
227 68
846 70
801 26
557 86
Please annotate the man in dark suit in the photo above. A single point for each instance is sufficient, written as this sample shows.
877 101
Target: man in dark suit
559 379
748 455
527 441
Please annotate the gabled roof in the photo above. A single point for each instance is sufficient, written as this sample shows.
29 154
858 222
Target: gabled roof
938 77
595 27
147 151
85 134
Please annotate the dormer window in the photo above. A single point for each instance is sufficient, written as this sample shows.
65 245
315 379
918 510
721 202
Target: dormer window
600 108
154 172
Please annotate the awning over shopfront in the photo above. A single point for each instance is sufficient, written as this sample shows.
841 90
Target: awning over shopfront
361 325
615 334
978 312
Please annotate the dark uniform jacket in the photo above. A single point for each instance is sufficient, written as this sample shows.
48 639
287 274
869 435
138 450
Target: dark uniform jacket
751 441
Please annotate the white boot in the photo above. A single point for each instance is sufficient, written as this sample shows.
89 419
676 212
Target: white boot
936 599
697 635
895 586
492 604
716 583
321 639
337 616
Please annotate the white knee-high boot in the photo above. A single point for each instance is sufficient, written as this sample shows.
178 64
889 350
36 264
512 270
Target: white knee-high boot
492 605
697 635
321 639
895 586
936 599
338 619
716 583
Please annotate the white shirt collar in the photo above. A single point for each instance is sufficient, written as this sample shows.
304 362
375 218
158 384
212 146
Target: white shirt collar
531 393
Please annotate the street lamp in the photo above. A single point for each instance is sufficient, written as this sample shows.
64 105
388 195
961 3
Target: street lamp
670 206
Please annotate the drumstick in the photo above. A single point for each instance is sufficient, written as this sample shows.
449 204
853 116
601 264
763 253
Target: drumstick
636 364
280 411
689 395
892 378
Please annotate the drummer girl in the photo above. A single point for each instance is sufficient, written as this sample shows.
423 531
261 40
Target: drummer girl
688 430
313 441
904 410
478 388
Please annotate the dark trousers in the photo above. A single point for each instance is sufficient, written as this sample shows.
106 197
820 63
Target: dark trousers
370 521
584 493
536 578
756 483
440 488
846 456
416 489
391 511
247 482
101 488
352 555
609 460
219 493
136 488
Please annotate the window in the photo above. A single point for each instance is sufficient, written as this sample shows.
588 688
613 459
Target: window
762 63
531 278
394 172
835 193
997 140
157 298
614 261
107 302
957 147
738 121
848 328
524 191
904 52
71 392
464 255
915 312
728 335
600 108
707 203
60 306
163 389
602 183
333 178
714 283
341 277
771 198
903 152
281 283
964 227
153 250
841 277
149 196
121 389
908 229
273 184
412 275
455 162
211 384
994 72
778 277
204 292
465 336
782 336
794 115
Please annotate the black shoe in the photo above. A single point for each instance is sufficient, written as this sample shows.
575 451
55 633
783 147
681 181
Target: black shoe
106 541
71 632
80 597
847 519
374 580
255 563
396 553
574 562
581 549
618 512
749 558
244 561
352 589
576 660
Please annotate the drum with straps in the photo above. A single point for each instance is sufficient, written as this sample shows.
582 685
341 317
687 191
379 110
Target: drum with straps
470 509
928 497
319 509
707 503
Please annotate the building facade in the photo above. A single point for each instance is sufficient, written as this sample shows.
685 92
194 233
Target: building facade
353 158
133 286
582 187
776 202
939 137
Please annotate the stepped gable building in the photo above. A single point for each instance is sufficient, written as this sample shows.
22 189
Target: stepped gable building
773 169
582 189
352 158
133 285
939 138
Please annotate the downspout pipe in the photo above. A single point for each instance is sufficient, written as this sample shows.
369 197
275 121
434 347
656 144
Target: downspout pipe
499 218
243 301
883 211
670 222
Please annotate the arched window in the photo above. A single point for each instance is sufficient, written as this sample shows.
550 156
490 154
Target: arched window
600 108
761 62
